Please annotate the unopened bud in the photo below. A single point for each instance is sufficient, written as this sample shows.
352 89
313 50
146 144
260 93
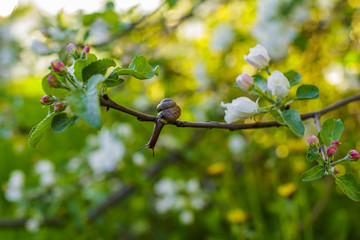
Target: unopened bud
59 107
53 81
245 81
86 49
73 51
334 170
313 141
331 150
46 100
335 144
58 66
354 155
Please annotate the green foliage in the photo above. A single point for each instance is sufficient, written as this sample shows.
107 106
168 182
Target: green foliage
61 122
293 77
313 173
331 130
293 121
349 185
80 64
277 116
97 67
38 131
139 68
85 104
307 92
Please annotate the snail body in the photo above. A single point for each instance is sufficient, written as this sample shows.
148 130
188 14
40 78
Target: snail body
168 112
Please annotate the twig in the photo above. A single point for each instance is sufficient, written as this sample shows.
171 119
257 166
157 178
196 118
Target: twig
105 101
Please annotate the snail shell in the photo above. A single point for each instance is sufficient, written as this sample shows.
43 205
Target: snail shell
168 112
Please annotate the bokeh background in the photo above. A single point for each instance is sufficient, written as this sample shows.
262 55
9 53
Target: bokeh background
201 184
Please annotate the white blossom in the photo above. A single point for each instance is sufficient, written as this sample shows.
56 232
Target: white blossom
258 57
138 159
239 108
197 203
32 225
186 217
278 84
13 189
192 186
44 166
110 152
166 186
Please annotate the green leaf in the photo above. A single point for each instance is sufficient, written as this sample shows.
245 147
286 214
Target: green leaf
172 3
260 82
80 64
293 77
307 92
293 121
56 92
312 155
61 122
277 116
111 17
40 129
89 18
139 68
349 185
113 79
330 131
313 173
86 104
97 67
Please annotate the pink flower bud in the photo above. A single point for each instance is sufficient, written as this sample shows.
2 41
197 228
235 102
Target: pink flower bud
71 48
331 150
59 107
245 81
73 51
46 100
354 155
53 81
335 144
58 66
313 141
86 49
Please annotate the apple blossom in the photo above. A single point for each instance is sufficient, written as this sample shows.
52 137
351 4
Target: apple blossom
258 57
245 81
278 84
240 108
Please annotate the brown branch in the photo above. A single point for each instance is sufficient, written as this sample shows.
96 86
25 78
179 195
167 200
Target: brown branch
105 101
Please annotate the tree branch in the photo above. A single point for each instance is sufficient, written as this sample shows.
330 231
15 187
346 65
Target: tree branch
105 101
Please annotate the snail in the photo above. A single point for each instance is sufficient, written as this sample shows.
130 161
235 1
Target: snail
168 112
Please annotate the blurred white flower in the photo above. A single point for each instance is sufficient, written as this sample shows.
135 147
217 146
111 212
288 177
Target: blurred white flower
165 186
258 57
278 84
44 166
32 225
39 47
239 108
138 159
110 152
197 203
186 217
165 203
236 143
192 185
222 37
124 130
13 189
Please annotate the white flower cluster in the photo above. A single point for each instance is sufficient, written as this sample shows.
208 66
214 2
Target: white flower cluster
277 83
275 29
14 188
45 169
109 152
179 196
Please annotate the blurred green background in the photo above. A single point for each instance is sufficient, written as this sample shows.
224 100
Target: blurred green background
201 184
